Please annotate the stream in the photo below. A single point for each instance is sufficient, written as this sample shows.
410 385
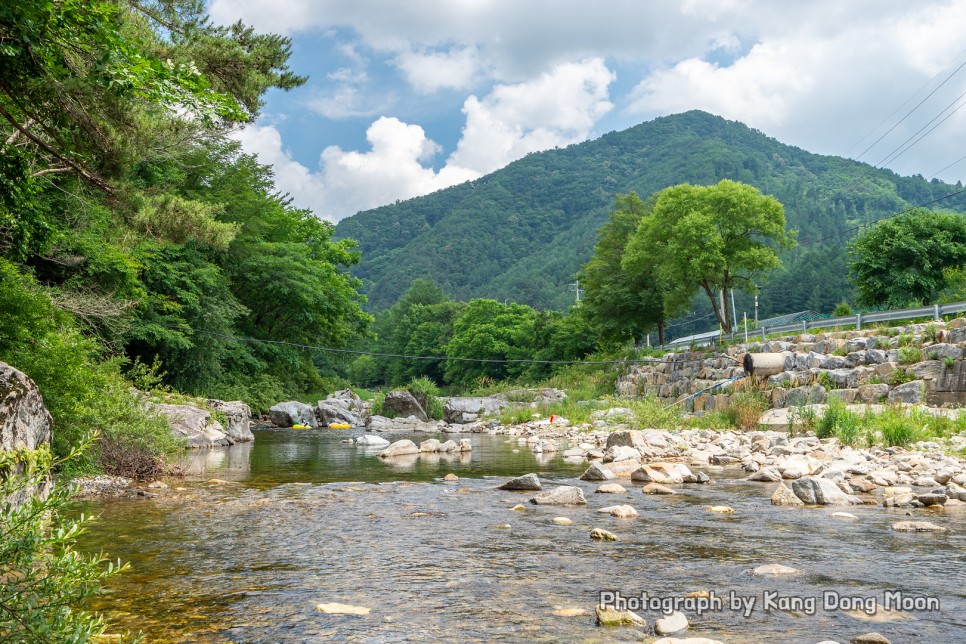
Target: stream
301 519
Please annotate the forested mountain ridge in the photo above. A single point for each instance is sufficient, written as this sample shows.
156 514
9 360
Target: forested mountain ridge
522 232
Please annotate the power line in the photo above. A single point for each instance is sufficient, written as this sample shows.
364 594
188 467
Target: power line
435 358
938 172
899 151
896 214
908 114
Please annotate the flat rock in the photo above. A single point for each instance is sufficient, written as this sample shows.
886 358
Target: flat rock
526 483
613 617
819 491
870 638
766 475
562 495
371 440
774 570
562 521
917 526
657 488
611 488
343 609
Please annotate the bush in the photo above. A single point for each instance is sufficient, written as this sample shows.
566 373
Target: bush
838 421
427 394
44 579
896 428
910 355
847 429
84 391
842 309
745 409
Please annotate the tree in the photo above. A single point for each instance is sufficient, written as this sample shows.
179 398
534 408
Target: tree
905 260
622 304
713 238
489 330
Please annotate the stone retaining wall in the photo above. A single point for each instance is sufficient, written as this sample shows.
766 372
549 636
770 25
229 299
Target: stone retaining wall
853 366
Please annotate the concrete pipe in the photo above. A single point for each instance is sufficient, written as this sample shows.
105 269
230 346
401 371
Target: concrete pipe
763 364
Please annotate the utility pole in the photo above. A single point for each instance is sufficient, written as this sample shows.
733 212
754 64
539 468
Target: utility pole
576 286
756 305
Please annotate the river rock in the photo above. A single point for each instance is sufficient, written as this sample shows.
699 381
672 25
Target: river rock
238 416
465 445
194 424
526 483
611 488
599 534
334 411
665 473
403 404
562 521
399 448
562 495
371 440
917 526
686 640
597 472
620 511
818 491
429 446
870 638
657 488
293 412
343 609
613 617
784 496
767 475
621 453
932 499
25 422
676 622
627 438
774 570
909 392
461 410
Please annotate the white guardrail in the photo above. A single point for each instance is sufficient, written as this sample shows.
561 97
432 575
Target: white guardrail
935 311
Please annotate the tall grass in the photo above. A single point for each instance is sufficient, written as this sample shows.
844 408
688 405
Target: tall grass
745 409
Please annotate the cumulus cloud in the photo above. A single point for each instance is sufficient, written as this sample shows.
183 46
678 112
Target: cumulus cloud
430 71
558 108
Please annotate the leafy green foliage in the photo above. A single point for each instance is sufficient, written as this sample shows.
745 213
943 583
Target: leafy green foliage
745 409
44 578
902 261
621 304
523 232
712 238
489 330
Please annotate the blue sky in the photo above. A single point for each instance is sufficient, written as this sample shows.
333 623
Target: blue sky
405 98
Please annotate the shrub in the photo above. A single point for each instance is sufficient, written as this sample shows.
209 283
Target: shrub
825 426
427 393
930 333
900 376
746 408
896 428
842 309
840 350
949 363
801 418
651 413
910 355
904 340
824 380
847 428
44 579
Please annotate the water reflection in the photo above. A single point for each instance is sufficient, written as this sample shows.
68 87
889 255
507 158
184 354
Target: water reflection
250 561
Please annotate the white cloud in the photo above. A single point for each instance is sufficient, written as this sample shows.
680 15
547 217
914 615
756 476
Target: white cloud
428 72
558 108
346 182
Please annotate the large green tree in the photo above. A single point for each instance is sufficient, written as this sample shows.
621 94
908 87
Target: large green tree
622 303
713 238
905 260
487 330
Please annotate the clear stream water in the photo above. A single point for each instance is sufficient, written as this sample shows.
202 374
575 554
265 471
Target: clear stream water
307 520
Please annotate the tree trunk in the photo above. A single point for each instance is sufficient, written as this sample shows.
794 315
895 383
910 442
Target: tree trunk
660 333
714 305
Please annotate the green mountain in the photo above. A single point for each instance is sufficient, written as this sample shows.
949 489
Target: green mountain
522 232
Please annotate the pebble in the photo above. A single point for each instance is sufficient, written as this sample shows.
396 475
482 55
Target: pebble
611 488
676 622
723 509
599 534
562 521
343 609
774 570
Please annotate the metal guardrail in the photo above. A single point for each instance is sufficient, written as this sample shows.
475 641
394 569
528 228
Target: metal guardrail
935 311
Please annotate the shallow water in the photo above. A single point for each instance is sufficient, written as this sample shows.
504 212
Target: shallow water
307 520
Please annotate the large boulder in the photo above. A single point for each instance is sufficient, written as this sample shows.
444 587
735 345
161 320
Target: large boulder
238 416
293 412
468 409
562 495
25 423
399 448
908 392
628 438
527 482
404 404
812 490
194 424
335 411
